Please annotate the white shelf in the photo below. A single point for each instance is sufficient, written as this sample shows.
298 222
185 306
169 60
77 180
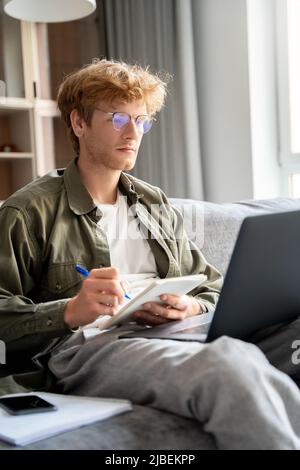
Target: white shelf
14 104
16 155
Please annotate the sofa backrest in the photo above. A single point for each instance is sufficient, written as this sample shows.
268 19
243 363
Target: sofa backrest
217 225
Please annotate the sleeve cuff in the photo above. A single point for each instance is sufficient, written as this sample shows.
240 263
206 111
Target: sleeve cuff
50 316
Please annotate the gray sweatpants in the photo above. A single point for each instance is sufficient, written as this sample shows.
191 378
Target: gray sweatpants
229 385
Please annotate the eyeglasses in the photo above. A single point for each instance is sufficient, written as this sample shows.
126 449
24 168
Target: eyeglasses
143 122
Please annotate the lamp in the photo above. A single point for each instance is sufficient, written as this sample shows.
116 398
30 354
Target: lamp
49 11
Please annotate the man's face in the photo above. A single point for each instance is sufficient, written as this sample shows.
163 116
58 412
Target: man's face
101 144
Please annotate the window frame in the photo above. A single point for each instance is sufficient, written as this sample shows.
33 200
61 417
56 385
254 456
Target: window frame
289 162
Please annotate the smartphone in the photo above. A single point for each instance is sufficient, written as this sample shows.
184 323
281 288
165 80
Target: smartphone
25 404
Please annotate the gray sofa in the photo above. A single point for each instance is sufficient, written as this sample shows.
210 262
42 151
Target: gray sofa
144 428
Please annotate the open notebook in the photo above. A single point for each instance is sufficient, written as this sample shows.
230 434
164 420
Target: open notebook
152 292
140 292
72 412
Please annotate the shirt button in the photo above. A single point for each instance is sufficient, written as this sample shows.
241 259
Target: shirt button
49 322
58 286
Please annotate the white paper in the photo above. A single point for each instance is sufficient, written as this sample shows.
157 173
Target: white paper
72 412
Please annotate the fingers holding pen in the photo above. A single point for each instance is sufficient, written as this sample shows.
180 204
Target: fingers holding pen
104 281
100 294
104 273
102 287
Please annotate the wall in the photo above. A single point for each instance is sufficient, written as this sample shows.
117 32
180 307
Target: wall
237 98
222 63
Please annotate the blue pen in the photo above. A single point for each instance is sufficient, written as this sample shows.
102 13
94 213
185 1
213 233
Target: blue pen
85 273
82 271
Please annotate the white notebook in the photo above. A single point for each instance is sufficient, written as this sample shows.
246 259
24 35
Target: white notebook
151 293
72 412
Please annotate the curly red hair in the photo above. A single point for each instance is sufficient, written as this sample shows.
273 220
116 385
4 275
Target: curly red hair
107 80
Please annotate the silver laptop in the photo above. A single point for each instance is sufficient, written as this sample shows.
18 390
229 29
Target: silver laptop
261 287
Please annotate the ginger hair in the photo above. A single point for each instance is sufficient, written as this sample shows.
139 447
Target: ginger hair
108 80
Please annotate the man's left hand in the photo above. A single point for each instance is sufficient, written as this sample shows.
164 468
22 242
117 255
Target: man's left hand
174 308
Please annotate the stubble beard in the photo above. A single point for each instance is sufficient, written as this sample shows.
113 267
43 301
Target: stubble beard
105 160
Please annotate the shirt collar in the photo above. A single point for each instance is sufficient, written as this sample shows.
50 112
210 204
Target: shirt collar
80 200
128 187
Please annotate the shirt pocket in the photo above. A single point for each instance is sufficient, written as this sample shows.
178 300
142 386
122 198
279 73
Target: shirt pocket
61 281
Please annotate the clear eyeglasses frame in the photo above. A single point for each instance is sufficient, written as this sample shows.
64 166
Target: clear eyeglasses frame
120 119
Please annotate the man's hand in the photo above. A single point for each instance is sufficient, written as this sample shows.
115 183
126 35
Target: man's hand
174 308
101 294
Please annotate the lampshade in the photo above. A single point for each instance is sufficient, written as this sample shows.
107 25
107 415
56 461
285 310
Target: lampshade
49 11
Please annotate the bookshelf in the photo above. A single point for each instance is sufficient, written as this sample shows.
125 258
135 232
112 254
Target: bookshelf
33 140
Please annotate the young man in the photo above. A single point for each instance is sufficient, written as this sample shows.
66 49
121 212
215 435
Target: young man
68 218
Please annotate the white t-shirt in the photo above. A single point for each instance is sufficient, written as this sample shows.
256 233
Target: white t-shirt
129 251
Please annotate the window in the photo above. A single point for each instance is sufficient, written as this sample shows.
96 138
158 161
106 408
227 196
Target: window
288 68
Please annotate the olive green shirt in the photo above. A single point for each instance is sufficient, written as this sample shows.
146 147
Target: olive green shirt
50 225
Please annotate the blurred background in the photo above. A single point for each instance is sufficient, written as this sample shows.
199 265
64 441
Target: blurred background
230 129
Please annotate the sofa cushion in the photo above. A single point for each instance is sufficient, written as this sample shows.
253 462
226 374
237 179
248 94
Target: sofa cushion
143 428
217 231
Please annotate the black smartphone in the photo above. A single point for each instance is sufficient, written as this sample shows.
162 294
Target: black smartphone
25 404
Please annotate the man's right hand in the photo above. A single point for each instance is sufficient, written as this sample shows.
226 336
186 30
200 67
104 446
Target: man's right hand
101 294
